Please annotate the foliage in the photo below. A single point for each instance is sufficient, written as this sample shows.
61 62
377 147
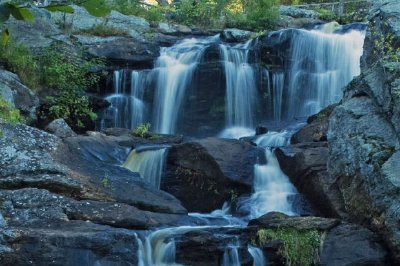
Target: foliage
150 13
142 130
384 47
104 30
299 247
20 60
199 13
8 114
71 106
325 14
65 70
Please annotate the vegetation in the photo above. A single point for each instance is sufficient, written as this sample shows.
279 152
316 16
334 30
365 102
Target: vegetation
9 114
299 247
104 30
19 59
142 130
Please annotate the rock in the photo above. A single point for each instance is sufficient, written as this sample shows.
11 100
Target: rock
279 220
173 29
72 243
260 130
350 244
191 249
18 95
82 20
203 175
120 50
37 34
316 128
60 128
235 35
296 12
306 166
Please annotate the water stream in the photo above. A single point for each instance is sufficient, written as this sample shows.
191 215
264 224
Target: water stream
322 62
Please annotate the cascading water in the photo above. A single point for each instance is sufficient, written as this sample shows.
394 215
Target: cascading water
322 63
127 109
241 92
278 80
148 162
258 256
174 71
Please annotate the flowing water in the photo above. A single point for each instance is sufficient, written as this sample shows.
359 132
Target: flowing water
241 92
127 108
321 63
174 70
148 162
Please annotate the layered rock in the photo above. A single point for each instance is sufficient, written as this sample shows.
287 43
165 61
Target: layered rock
364 134
53 192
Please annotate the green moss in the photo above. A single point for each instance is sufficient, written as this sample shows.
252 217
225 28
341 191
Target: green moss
142 130
300 247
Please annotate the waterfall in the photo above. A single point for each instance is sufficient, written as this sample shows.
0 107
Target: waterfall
277 83
127 109
174 71
231 256
321 65
148 163
258 256
241 92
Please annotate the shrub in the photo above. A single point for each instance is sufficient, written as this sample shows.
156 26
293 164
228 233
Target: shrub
19 59
142 130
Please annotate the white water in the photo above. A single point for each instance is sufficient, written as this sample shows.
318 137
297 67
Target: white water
241 92
258 256
174 71
231 256
278 80
127 109
322 64
148 163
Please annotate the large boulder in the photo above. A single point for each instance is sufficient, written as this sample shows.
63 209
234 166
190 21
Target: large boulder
205 173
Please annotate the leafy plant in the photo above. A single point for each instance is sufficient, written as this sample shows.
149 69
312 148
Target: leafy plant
299 247
142 130
71 106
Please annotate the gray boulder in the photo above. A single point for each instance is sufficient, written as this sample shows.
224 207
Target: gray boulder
82 20
236 35
296 12
173 29
18 95
60 128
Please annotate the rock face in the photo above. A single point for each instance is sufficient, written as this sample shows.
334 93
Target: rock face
364 135
68 200
60 128
205 173
235 35
18 95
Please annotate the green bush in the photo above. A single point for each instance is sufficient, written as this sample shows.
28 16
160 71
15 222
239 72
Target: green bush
70 105
142 130
19 59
